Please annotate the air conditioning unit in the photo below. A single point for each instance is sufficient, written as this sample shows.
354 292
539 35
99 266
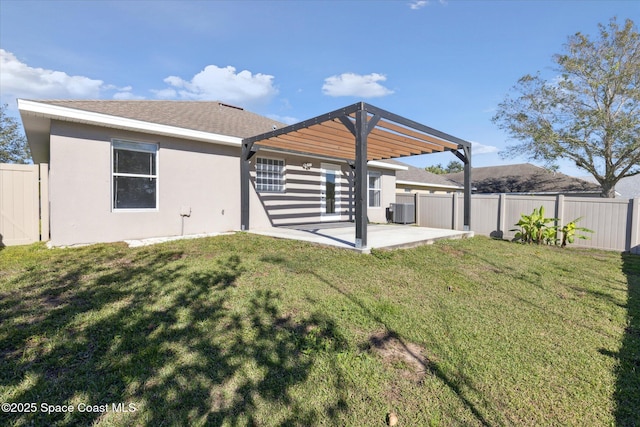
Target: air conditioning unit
403 213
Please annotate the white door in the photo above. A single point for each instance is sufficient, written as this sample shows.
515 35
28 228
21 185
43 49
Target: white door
330 192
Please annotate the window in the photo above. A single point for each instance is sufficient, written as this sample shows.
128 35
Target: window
374 189
270 175
134 175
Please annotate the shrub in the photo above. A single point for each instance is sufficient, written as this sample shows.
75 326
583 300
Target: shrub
569 232
535 228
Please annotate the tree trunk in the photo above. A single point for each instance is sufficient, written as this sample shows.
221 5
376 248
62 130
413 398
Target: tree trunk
608 190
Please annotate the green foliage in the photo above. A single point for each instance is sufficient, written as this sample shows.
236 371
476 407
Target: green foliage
452 167
549 236
588 112
569 232
535 228
13 144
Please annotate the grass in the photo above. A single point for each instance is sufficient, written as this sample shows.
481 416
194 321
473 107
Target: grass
247 330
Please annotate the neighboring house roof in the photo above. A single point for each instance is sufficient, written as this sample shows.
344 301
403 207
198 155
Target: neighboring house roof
420 177
626 188
523 178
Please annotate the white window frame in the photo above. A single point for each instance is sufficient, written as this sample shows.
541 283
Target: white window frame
274 168
375 188
143 147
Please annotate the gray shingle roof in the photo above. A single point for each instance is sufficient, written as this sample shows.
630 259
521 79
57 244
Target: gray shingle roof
207 116
629 187
523 178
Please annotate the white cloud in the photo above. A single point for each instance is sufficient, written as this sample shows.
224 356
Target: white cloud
477 148
167 93
222 84
419 4
125 94
18 80
350 84
288 120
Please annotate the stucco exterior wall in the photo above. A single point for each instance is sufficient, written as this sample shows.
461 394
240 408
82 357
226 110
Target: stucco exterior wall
198 176
301 202
388 196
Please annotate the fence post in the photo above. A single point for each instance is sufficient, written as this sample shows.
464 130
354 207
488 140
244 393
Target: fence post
560 209
44 202
634 243
416 208
455 207
502 212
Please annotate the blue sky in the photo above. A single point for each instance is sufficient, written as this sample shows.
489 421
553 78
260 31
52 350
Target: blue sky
446 64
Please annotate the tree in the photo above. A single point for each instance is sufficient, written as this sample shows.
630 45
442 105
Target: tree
589 113
452 167
13 144
437 169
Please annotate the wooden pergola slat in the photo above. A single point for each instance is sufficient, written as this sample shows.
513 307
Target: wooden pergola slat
417 135
395 141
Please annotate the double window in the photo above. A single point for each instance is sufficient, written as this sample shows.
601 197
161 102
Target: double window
374 189
134 175
270 175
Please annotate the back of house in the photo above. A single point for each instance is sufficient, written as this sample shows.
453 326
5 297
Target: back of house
121 170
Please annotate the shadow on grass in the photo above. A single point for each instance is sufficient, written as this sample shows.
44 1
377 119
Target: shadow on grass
627 393
457 382
167 341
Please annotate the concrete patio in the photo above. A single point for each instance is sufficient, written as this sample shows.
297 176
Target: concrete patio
380 236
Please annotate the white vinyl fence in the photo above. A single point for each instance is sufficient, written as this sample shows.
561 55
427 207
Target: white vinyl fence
615 222
24 204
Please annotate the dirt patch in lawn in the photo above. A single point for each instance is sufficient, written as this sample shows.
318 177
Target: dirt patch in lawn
394 351
452 251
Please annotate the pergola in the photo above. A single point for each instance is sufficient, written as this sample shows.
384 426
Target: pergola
356 134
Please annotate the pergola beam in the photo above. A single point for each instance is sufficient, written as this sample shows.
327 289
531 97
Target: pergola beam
245 180
361 188
419 136
392 140
465 157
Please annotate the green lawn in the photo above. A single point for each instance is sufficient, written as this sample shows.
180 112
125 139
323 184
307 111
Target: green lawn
247 330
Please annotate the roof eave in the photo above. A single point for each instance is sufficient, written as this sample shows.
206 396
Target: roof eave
426 184
37 116
381 164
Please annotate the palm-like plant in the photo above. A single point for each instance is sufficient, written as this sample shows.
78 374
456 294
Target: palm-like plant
569 232
535 228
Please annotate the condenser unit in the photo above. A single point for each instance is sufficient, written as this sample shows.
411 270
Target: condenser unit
403 213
